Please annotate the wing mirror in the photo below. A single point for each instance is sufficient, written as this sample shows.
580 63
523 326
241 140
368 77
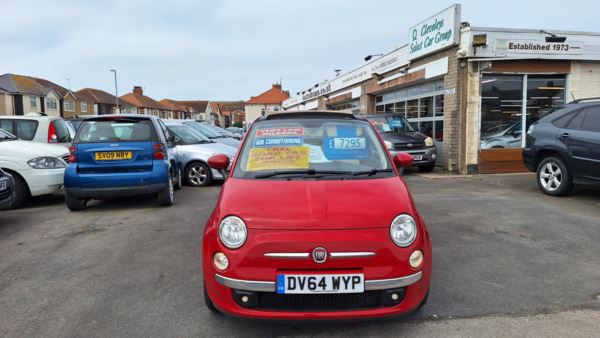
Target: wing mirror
219 162
403 160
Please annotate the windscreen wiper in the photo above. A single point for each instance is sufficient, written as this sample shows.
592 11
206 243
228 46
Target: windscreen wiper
303 172
371 172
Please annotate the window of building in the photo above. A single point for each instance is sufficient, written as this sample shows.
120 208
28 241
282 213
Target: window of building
33 101
51 103
69 105
422 105
276 108
84 107
262 112
502 101
351 106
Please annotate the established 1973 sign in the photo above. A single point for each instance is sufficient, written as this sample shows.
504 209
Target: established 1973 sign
439 31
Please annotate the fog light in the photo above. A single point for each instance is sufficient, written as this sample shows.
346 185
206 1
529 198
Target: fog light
244 299
395 296
433 156
220 261
416 259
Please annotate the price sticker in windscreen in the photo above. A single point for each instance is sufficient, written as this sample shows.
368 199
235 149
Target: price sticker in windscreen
349 143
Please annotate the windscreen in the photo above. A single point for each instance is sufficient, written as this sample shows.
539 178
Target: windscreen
204 130
187 134
314 146
132 130
391 124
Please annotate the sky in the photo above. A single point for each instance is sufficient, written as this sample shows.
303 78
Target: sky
233 49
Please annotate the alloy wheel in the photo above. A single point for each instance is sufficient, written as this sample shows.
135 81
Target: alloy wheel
551 176
197 175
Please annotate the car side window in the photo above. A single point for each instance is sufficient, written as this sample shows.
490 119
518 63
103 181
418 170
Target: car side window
164 130
575 123
26 129
563 121
7 125
591 121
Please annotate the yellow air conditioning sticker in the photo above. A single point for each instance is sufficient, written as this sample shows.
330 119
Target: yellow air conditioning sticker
278 158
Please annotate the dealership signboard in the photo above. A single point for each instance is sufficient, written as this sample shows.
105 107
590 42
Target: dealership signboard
438 32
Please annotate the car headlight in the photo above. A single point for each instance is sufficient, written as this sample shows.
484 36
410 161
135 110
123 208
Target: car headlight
232 232
530 129
389 145
403 230
46 162
429 142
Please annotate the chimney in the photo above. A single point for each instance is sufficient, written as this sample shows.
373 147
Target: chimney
138 90
277 86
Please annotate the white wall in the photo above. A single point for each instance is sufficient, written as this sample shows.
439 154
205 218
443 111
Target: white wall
254 111
584 80
27 108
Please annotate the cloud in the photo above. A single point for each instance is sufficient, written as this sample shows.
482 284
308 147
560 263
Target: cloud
232 49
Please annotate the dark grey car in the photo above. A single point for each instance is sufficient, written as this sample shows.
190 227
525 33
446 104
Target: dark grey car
563 147
7 190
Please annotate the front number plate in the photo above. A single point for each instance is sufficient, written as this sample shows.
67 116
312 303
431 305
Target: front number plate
113 156
346 283
417 157
2 186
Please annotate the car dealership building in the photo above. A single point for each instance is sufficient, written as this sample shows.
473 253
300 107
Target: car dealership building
474 90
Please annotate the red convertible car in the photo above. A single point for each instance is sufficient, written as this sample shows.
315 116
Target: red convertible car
315 222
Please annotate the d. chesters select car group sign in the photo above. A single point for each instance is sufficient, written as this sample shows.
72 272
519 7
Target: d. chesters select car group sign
438 32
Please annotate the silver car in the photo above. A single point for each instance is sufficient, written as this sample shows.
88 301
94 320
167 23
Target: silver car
212 134
502 136
193 150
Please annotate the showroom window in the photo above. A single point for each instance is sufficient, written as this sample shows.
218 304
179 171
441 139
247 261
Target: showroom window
422 105
352 106
502 96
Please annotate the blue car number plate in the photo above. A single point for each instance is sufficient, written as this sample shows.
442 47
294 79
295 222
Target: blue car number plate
339 283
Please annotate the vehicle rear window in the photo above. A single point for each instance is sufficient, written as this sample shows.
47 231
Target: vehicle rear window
116 130
62 131
23 129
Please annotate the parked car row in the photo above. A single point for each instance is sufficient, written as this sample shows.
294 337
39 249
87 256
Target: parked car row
106 156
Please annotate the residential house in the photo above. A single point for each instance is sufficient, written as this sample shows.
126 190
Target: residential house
143 104
220 112
268 101
197 109
102 103
180 110
25 94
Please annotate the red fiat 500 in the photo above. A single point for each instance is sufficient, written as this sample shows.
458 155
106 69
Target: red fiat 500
314 222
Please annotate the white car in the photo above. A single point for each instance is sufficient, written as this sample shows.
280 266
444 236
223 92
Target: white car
37 128
37 168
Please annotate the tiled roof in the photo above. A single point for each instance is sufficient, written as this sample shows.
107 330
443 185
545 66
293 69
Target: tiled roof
198 106
61 90
98 96
13 83
272 96
141 101
173 105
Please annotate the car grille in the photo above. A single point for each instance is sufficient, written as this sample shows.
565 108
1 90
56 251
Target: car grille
322 302
65 157
4 194
409 146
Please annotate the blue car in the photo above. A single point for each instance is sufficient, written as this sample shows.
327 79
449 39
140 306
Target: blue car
121 155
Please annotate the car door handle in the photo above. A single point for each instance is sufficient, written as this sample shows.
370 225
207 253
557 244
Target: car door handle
565 135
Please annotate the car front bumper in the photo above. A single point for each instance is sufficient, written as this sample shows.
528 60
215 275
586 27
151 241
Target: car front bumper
6 194
428 155
391 287
529 159
43 181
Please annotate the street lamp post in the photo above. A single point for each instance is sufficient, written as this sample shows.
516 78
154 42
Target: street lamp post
116 91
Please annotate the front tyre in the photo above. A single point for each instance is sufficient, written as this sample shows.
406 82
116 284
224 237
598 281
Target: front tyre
198 174
427 168
75 203
209 304
177 184
553 177
165 197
